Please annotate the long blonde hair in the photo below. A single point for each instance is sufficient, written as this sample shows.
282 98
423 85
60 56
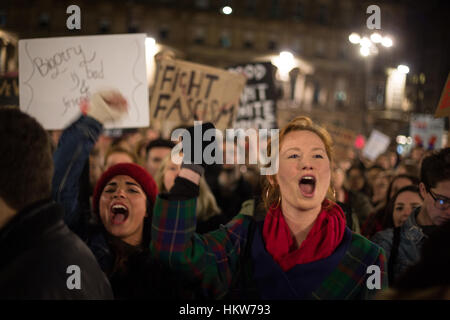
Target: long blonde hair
271 193
206 202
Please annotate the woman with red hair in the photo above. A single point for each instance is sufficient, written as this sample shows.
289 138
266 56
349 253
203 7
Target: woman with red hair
298 248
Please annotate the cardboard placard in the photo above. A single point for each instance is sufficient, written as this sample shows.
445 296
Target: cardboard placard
257 107
343 139
57 73
341 136
185 92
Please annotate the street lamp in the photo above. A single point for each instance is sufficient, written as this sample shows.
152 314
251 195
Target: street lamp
369 47
376 37
284 62
370 42
403 69
387 42
227 10
354 38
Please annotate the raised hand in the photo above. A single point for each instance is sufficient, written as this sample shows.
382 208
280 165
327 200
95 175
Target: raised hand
108 105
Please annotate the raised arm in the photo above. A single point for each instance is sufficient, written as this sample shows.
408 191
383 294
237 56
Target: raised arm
74 147
210 260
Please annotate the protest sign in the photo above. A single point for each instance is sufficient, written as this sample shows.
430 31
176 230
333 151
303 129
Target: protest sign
426 131
9 91
57 73
377 144
343 139
257 107
185 92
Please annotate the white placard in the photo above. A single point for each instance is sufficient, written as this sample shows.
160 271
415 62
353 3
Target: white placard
377 144
56 73
426 131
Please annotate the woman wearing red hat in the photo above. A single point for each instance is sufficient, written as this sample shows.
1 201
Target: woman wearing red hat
123 200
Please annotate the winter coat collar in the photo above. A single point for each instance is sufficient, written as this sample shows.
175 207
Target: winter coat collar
411 229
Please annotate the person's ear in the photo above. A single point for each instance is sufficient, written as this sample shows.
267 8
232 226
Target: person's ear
422 190
272 180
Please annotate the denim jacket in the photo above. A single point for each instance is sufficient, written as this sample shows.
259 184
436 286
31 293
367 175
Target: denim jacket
411 241
69 158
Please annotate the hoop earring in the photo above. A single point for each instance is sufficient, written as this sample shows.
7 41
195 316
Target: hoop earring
279 201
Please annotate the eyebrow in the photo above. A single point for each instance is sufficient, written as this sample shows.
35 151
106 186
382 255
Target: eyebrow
313 149
114 184
441 197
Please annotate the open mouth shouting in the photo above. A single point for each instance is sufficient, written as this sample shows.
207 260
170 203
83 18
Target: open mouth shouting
119 213
307 185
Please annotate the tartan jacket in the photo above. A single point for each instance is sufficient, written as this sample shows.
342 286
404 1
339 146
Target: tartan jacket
224 265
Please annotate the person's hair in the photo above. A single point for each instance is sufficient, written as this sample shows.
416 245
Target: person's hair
435 168
366 189
410 167
271 194
206 202
140 146
117 149
375 166
388 221
358 167
158 143
414 181
26 164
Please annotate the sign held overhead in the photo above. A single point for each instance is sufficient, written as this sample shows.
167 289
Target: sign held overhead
185 92
55 74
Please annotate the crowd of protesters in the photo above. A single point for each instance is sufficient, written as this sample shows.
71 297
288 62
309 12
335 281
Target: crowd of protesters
143 227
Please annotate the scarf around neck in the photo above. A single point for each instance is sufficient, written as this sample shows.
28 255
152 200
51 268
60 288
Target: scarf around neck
323 238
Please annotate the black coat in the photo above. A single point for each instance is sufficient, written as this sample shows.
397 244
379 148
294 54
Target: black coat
36 249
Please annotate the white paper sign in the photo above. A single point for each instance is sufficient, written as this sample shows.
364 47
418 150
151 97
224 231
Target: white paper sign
377 144
426 131
56 73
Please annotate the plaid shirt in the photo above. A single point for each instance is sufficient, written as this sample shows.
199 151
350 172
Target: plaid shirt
212 259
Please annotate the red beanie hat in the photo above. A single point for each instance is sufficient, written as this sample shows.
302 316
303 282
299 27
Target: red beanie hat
132 170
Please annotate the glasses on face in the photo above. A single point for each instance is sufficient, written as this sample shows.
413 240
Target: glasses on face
440 202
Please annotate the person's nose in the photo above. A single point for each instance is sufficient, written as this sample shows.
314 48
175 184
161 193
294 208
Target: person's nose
306 164
119 193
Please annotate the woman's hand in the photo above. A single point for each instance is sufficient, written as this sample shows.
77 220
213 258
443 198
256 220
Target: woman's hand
108 105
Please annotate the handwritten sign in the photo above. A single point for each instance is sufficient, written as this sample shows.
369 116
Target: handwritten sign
186 91
57 73
257 108
377 144
426 131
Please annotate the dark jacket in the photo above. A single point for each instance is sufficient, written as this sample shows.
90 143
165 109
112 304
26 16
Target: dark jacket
410 240
37 248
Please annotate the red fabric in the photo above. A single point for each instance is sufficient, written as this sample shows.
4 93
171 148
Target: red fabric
132 170
323 238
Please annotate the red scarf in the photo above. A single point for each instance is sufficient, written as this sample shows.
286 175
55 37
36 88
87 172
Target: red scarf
323 238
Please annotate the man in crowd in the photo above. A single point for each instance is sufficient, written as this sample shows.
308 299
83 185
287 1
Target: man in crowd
40 257
403 244
156 151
